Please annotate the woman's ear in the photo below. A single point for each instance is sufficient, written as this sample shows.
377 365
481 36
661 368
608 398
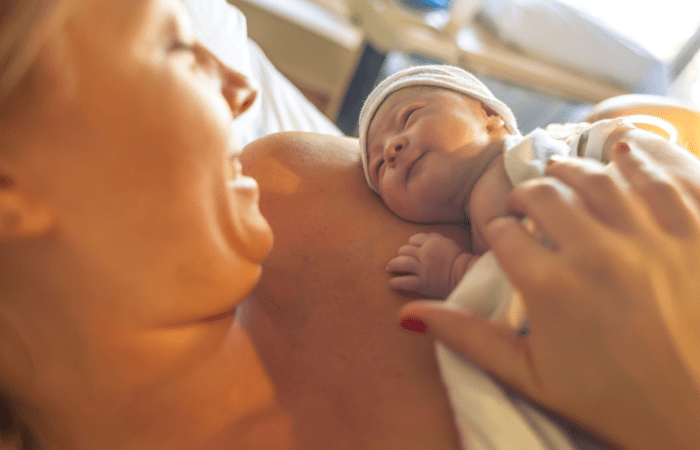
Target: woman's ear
22 214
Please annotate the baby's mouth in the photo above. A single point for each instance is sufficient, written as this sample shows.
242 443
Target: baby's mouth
412 164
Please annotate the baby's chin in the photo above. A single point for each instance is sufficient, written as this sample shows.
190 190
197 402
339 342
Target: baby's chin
429 215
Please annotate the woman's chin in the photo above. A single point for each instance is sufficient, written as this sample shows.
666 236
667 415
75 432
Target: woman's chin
252 235
249 231
258 239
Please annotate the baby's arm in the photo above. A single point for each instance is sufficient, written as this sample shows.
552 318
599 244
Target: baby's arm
430 265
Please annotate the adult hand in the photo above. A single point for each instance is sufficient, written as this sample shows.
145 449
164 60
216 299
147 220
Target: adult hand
613 308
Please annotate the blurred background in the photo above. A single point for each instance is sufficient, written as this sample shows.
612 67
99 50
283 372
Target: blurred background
549 60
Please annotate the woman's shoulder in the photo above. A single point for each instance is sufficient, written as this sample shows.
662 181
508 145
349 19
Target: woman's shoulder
297 146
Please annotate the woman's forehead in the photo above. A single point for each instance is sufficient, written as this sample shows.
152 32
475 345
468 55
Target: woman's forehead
123 15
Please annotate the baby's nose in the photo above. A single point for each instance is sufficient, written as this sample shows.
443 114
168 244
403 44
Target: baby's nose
394 147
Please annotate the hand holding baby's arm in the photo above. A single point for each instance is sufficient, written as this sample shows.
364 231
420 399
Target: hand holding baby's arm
617 294
430 265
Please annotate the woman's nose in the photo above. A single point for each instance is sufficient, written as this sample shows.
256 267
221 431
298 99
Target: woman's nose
236 90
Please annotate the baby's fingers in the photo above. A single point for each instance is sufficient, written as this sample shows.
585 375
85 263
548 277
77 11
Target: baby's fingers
667 203
409 250
418 239
403 265
408 283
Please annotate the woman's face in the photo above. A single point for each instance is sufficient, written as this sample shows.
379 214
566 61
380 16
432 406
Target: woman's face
156 235
138 167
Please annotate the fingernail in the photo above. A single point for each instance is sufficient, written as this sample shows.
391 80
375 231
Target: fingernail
414 324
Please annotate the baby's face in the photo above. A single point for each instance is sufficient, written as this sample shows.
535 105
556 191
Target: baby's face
426 149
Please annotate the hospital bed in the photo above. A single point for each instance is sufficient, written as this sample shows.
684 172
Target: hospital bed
338 47
321 29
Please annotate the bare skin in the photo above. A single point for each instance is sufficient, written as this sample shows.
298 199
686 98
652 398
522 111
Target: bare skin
125 244
323 316
623 275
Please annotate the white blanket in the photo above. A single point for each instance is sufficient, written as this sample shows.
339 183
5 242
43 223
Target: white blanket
487 415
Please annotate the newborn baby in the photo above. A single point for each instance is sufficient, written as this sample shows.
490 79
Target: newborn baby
437 146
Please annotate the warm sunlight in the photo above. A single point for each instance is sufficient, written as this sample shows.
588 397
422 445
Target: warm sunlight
660 27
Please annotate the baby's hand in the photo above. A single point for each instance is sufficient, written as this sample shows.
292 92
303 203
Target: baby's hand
424 266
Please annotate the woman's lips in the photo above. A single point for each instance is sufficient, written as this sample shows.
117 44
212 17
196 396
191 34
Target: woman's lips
236 179
217 317
234 168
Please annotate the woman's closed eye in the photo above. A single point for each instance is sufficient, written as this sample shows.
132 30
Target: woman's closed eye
178 45
201 59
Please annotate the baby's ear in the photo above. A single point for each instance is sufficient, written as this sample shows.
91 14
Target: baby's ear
494 122
22 213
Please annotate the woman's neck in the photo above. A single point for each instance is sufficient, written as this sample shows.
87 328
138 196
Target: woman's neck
214 394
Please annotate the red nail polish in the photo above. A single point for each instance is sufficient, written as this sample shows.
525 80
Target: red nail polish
414 324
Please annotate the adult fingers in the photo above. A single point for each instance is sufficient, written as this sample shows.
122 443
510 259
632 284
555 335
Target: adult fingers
553 208
494 348
596 189
665 200
516 250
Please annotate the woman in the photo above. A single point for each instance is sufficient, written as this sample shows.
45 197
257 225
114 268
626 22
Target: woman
128 237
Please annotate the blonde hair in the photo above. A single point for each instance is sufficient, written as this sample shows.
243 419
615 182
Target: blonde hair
24 27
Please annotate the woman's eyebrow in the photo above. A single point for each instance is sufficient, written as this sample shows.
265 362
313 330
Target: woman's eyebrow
171 25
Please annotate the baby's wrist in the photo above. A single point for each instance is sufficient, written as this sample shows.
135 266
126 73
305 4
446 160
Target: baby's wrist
459 267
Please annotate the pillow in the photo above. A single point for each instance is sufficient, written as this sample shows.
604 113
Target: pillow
280 106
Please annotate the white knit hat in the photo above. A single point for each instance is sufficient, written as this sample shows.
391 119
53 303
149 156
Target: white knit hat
443 76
